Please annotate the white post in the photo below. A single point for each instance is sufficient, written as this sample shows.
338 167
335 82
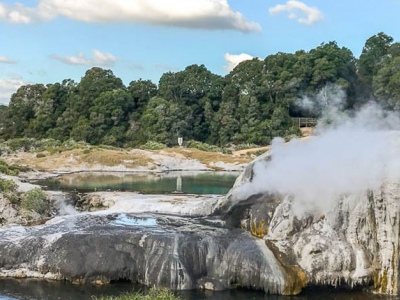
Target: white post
180 141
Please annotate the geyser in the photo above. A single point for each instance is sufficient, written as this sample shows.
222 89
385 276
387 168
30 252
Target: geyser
337 199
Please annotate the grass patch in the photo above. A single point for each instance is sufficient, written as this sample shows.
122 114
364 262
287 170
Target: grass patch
12 170
113 158
154 294
203 146
150 145
9 190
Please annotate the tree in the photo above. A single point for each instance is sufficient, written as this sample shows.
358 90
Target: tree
21 110
163 121
3 112
54 102
95 82
141 92
225 124
386 83
374 50
191 89
109 112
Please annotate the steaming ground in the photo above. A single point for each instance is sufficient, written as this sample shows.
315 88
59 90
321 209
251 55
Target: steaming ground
348 155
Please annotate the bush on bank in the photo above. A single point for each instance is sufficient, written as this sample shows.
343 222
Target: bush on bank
154 294
34 200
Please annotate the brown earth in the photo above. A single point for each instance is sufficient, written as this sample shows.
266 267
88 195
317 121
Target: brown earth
94 158
305 131
109 159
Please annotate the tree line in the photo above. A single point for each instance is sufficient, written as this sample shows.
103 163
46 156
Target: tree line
252 104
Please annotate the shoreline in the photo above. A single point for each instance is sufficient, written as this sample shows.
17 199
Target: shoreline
133 161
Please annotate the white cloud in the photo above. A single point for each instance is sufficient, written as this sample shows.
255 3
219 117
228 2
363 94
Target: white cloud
298 11
6 60
9 86
99 59
20 14
203 14
234 59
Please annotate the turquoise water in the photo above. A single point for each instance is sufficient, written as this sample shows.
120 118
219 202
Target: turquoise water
160 183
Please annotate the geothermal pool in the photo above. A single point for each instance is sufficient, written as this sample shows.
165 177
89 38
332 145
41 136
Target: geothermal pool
147 183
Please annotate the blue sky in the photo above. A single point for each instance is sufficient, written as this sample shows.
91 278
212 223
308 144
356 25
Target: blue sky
46 41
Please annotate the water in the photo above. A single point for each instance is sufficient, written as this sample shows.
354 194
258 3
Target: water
149 183
126 220
52 290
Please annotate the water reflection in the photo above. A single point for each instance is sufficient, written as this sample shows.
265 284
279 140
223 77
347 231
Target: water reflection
50 290
179 184
147 183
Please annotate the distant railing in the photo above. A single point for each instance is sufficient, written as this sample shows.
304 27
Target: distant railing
304 122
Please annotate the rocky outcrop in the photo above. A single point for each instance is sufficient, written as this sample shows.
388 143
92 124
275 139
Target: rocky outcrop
355 243
8 213
173 252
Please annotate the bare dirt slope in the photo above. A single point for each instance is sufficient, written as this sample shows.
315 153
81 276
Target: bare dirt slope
128 160
306 133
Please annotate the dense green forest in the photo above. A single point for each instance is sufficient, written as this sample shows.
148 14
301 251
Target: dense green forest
252 104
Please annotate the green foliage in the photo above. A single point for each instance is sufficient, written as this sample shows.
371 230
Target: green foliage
251 105
151 145
9 190
245 146
40 155
375 49
35 200
7 186
386 83
154 294
12 170
202 146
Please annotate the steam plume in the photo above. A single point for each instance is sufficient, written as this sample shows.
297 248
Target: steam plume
351 153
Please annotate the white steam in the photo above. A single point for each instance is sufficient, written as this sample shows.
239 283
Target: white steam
63 208
350 154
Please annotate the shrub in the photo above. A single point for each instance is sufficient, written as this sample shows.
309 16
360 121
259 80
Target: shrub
203 146
245 146
9 190
154 294
28 144
7 186
18 168
24 144
40 155
35 200
47 144
150 145
12 170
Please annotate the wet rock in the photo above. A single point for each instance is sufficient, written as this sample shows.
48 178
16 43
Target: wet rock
355 244
178 253
91 202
